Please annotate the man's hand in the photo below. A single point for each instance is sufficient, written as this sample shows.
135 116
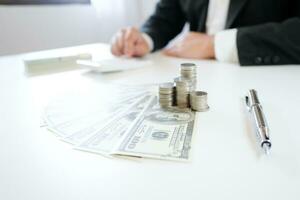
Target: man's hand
129 42
194 45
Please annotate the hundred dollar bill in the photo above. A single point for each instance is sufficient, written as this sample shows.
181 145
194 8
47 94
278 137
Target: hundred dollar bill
104 120
75 129
105 139
158 133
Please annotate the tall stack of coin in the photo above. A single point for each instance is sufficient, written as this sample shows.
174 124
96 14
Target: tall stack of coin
199 101
166 95
183 89
189 71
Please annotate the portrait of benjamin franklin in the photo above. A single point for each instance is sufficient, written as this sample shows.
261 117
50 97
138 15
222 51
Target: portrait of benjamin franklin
168 117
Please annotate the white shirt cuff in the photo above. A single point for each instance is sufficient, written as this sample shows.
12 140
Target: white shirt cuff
149 41
225 46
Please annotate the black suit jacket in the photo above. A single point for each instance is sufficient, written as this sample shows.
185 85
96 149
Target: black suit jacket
268 30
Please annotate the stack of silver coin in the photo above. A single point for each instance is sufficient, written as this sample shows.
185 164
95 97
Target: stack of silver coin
189 71
198 101
166 95
183 89
183 94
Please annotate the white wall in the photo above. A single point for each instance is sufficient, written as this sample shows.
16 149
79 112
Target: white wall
32 28
29 28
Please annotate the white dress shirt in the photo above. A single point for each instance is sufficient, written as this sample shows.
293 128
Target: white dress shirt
225 40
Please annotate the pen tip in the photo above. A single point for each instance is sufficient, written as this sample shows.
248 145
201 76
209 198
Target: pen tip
266 149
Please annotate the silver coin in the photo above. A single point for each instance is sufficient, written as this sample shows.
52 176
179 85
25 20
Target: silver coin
188 71
166 98
181 80
165 95
188 66
168 85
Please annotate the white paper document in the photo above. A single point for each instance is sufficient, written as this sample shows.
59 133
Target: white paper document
115 64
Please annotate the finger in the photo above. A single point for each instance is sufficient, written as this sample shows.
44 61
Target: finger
114 47
173 51
141 48
120 41
115 51
131 38
130 32
129 48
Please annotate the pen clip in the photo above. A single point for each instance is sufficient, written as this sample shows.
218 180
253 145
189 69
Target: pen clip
251 99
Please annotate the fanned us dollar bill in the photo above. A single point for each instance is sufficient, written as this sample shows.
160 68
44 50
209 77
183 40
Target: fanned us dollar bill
159 134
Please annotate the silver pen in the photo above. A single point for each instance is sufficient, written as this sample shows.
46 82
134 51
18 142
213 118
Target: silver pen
262 129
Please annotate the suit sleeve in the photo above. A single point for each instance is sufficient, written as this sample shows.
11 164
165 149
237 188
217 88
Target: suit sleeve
270 44
166 22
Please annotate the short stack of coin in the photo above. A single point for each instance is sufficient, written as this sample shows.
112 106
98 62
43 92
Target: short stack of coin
189 71
166 95
198 101
183 89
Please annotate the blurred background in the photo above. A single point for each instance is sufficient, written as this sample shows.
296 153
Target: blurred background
32 25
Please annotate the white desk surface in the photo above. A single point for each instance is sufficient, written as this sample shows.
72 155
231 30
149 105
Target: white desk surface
226 164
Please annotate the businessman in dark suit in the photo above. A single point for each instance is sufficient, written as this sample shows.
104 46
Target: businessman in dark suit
251 32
